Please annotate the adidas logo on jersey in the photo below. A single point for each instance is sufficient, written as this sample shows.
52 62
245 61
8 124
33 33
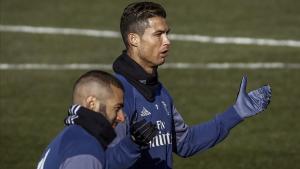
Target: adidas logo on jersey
145 112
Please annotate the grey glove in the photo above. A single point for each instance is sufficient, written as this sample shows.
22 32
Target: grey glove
249 104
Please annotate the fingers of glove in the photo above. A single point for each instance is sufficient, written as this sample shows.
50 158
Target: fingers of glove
264 93
136 126
260 98
141 133
153 133
268 94
267 90
146 133
256 102
151 129
148 136
145 129
243 85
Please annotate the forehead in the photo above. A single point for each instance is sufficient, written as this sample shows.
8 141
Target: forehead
116 95
157 24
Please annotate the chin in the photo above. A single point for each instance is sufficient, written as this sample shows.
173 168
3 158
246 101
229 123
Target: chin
162 60
161 63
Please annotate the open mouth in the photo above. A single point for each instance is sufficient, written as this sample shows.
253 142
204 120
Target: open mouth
165 52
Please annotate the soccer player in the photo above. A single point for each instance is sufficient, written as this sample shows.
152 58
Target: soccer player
96 110
144 30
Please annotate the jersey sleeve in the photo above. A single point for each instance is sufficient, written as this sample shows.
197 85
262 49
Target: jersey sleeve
190 140
123 154
84 161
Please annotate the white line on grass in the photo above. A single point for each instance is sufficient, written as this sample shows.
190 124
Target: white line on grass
220 66
178 37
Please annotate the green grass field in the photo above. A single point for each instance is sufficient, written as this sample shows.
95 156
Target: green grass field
33 103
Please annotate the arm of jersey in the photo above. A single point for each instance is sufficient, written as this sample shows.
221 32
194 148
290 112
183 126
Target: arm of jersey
190 140
81 162
123 152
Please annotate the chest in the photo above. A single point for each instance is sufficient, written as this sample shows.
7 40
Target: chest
158 112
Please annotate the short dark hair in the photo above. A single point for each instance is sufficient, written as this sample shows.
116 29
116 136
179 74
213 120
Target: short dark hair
103 78
135 17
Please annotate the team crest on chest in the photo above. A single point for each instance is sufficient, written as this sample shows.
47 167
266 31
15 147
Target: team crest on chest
165 107
156 105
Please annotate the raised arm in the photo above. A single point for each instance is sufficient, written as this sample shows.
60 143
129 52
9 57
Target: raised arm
190 140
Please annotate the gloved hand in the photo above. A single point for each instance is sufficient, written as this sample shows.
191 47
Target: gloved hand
142 132
254 102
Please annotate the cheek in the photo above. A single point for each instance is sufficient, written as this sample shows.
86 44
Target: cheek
111 116
150 50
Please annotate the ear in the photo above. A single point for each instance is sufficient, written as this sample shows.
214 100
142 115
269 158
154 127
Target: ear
133 39
91 103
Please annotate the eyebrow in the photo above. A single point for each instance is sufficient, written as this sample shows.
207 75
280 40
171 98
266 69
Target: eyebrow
119 105
162 31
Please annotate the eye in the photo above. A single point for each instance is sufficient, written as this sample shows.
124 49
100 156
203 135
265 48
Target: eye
117 109
168 31
157 34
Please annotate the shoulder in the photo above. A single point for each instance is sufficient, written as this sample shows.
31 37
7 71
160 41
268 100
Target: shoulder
127 86
122 79
165 92
71 142
129 95
165 96
77 141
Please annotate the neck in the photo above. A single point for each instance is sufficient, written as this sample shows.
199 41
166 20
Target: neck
134 55
94 123
145 82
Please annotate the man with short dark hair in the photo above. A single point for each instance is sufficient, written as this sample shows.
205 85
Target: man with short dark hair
145 31
96 110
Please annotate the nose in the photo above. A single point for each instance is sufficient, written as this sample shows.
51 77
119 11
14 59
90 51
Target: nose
166 40
120 117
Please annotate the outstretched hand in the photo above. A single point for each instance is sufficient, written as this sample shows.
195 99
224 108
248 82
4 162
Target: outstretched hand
256 101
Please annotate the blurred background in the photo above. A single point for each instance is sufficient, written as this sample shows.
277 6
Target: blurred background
34 100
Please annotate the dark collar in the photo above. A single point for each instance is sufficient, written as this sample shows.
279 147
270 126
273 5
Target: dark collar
95 124
147 84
